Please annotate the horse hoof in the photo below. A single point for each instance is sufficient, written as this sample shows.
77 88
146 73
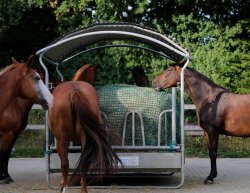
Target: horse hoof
4 181
208 181
9 179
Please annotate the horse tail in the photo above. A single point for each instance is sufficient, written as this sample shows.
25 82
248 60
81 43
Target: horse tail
97 156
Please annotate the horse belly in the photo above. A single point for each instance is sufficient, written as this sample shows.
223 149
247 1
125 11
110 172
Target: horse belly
238 123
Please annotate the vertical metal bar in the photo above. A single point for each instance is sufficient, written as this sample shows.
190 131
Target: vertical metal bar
124 128
166 128
47 156
59 72
182 126
133 128
173 116
142 129
159 131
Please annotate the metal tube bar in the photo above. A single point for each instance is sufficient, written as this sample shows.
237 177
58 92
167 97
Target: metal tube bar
159 125
133 127
59 72
175 147
173 115
124 128
142 130
47 156
116 45
178 51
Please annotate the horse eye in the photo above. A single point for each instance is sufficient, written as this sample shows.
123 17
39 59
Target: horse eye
37 78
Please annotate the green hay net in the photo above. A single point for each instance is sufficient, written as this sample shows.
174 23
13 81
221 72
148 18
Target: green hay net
117 100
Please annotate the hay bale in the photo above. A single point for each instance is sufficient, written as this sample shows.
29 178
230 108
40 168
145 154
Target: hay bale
117 100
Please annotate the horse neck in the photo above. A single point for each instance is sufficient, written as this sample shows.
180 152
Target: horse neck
24 105
201 89
80 73
8 87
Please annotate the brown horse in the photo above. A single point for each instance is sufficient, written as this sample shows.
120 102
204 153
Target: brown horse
218 110
75 116
86 73
13 119
139 76
20 80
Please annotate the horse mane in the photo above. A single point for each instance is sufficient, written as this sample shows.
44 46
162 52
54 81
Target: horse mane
204 78
7 68
80 71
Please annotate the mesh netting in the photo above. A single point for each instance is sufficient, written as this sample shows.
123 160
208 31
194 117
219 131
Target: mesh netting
117 100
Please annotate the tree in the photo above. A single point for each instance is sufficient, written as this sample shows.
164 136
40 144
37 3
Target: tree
25 28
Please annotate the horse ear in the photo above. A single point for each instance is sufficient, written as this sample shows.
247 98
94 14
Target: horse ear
14 61
182 63
30 60
96 66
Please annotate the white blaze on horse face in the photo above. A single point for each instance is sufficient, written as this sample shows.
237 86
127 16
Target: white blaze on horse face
44 92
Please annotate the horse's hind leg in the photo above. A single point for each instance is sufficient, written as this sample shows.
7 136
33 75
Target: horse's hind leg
62 150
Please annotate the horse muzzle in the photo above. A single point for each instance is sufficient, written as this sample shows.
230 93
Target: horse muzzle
44 104
156 86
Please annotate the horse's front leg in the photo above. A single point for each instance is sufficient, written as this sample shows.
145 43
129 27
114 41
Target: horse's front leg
1 167
4 175
62 150
212 138
6 166
84 185
7 144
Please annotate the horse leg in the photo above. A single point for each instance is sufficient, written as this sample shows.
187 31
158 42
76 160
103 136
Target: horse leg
84 185
2 158
212 138
6 174
83 143
5 154
62 150
8 154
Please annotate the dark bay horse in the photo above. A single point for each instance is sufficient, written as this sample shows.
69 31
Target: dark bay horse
219 111
139 76
75 116
14 117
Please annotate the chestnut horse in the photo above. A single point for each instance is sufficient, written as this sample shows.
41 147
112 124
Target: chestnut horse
27 89
86 73
219 111
20 80
139 76
75 116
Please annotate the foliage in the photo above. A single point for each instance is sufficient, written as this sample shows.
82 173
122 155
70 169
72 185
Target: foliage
25 27
215 32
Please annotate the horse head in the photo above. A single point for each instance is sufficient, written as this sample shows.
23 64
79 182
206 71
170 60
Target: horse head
29 84
139 76
168 78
